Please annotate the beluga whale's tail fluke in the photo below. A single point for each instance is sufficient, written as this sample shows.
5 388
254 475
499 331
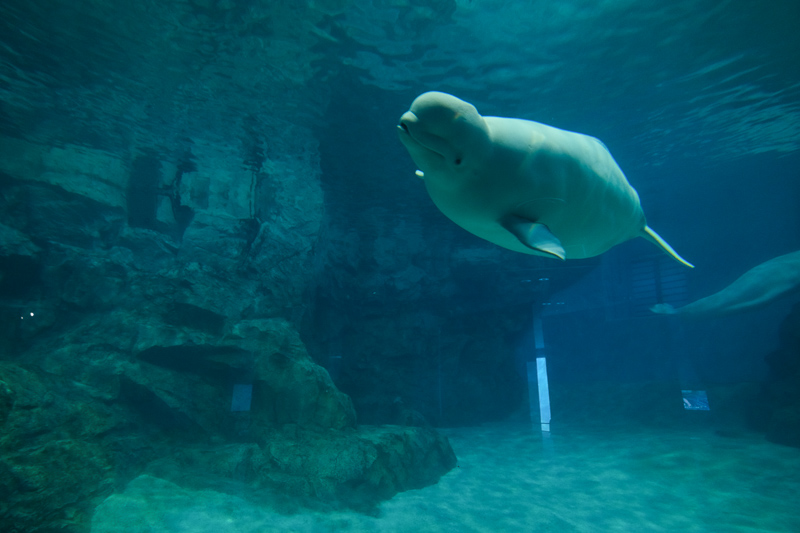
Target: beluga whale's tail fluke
656 239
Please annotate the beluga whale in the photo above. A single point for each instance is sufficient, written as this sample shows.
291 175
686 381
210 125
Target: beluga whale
522 185
758 287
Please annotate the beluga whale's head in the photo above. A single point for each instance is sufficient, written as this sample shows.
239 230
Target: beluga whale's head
445 136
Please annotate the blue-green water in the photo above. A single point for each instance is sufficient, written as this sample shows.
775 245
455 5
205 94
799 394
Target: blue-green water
186 186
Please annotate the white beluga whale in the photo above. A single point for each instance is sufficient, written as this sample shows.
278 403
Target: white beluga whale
756 288
522 185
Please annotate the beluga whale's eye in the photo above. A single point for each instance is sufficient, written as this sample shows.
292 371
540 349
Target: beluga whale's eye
458 161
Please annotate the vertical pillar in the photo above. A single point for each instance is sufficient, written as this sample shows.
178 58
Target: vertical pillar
544 393
439 373
538 388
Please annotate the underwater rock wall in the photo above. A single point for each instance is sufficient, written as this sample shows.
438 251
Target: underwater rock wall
134 294
424 366
416 329
210 245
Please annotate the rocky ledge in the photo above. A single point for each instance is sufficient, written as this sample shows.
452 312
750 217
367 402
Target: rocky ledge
80 420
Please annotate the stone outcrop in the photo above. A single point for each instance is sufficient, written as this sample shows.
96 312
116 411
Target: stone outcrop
318 469
91 416
53 467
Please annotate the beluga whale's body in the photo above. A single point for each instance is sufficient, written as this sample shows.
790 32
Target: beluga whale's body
520 184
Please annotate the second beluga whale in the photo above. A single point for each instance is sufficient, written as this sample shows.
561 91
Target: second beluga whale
758 287
520 184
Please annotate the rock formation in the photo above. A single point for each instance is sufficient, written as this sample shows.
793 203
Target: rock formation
135 294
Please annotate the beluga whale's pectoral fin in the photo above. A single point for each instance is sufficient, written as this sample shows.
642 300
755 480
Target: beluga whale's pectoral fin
535 236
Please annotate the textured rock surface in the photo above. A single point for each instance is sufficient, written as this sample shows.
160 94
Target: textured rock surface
324 469
57 451
97 414
443 367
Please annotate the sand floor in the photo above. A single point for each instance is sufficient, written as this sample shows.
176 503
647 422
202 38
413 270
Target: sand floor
511 479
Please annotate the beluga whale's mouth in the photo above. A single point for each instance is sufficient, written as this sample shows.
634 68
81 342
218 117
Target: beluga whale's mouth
408 122
416 136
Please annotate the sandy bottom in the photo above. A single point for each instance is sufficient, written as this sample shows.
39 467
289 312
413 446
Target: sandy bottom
512 479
